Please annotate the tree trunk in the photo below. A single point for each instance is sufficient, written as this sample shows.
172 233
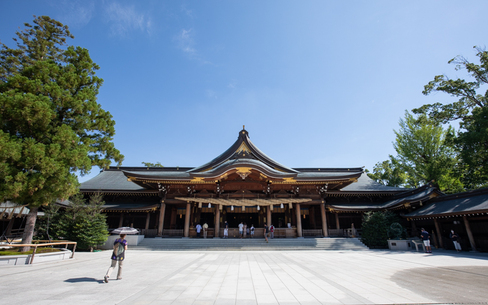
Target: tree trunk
29 228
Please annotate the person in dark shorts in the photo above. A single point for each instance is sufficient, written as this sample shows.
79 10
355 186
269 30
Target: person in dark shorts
426 239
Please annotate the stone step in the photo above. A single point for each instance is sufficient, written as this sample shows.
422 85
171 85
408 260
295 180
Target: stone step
255 244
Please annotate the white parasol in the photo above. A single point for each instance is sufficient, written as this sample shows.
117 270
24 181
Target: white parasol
125 230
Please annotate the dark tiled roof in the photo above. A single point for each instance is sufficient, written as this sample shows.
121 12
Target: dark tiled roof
462 203
177 175
110 180
365 183
409 196
130 206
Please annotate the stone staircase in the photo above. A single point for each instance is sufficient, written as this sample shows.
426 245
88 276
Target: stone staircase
248 244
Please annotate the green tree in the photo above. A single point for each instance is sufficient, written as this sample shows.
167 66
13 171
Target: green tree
51 123
82 222
44 223
471 109
149 164
389 173
375 228
425 155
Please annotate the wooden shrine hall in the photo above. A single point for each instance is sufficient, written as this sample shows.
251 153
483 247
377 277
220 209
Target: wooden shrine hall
245 185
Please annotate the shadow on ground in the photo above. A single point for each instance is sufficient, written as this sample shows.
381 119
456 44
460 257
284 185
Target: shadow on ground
446 284
83 280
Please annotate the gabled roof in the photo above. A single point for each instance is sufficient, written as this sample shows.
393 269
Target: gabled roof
243 149
242 157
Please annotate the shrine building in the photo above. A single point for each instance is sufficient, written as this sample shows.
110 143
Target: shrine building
245 185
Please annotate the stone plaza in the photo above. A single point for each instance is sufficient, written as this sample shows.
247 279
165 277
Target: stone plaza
254 277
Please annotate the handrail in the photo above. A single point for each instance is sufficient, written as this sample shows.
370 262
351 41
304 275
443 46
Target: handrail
45 245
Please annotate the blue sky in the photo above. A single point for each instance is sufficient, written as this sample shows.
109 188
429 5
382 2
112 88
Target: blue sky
317 83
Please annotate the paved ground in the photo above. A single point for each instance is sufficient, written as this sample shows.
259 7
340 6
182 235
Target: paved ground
260 277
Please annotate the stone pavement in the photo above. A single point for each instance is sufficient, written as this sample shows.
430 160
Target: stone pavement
254 277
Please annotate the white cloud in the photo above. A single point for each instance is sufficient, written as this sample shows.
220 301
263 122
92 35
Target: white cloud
125 19
75 13
232 84
187 11
211 93
185 43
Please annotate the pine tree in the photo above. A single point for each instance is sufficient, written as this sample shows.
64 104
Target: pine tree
51 123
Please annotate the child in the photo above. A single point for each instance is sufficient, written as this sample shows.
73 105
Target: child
118 255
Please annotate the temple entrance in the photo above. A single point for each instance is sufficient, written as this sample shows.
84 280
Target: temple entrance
234 219
279 220
208 218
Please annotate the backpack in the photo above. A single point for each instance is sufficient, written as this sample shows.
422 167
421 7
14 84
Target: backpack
118 248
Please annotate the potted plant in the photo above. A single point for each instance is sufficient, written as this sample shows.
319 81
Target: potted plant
396 240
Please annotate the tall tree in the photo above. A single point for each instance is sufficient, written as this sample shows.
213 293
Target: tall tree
149 164
389 173
471 109
424 154
51 123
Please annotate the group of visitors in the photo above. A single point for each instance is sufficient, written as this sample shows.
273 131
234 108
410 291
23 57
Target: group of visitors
244 230
199 229
426 239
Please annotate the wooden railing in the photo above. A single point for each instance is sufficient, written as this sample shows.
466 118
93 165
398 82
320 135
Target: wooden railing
173 232
46 244
336 232
313 232
149 232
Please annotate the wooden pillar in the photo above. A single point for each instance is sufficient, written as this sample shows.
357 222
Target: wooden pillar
174 214
324 220
162 212
438 231
121 220
217 221
10 225
148 218
186 231
299 220
470 234
338 224
415 232
268 215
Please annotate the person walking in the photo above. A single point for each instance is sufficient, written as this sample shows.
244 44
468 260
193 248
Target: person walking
271 230
454 237
226 230
426 239
205 228
266 232
252 231
241 229
199 229
118 255
245 230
